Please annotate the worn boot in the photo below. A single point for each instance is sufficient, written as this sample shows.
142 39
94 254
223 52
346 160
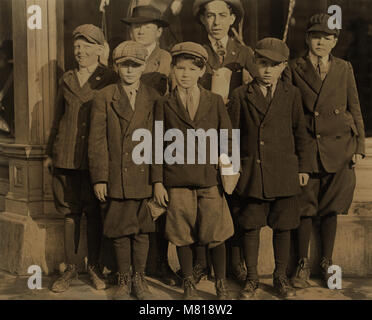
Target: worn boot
239 273
96 277
325 263
166 275
301 276
124 286
249 290
199 273
222 290
63 283
190 292
140 287
283 288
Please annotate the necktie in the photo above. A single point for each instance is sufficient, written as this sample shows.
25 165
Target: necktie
269 94
132 98
321 69
190 105
221 51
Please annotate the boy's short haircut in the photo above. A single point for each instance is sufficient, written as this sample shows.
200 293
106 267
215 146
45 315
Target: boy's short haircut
198 62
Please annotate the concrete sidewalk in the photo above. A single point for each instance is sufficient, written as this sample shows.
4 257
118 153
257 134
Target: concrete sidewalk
15 288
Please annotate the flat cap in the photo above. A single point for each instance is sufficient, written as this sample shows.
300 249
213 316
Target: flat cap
130 51
274 49
319 23
235 5
192 48
90 32
146 14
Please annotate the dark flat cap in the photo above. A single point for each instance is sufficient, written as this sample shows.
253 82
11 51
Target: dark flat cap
274 49
90 32
146 14
192 48
235 5
130 51
319 23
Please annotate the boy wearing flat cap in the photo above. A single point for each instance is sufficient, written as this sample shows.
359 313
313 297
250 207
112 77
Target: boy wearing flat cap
229 63
119 183
67 150
274 160
335 126
197 212
146 27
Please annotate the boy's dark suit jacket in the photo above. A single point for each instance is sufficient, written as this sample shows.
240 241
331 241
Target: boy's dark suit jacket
110 141
332 112
238 57
211 114
273 141
68 140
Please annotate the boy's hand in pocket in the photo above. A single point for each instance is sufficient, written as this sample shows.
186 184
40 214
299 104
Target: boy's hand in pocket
160 194
100 190
304 179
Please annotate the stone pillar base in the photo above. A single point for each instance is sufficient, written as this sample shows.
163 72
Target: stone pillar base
26 241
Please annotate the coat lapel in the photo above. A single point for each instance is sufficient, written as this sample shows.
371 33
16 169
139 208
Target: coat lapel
307 72
121 103
153 61
84 93
141 108
329 83
277 101
231 52
204 105
176 105
256 98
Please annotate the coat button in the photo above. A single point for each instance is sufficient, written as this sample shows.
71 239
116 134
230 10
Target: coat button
258 161
127 154
262 143
125 169
318 136
337 111
82 137
316 113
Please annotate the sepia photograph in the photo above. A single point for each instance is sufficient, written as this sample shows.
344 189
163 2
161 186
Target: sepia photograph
208 151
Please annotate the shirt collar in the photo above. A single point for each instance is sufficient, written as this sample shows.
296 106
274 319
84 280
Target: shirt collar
151 48
315 59
129 88
89 69
194 89
264 87
224 41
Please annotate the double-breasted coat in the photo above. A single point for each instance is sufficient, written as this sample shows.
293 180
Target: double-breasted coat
332 112
211 114
111 143
274 145
68 140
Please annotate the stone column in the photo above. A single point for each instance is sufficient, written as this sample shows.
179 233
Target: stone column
30 229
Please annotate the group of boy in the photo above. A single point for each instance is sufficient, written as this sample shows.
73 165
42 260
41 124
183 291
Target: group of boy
300 137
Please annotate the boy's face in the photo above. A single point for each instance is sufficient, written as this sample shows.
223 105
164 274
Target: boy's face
86 53
187 74
217 19
130 72
321 44
269 71
146 33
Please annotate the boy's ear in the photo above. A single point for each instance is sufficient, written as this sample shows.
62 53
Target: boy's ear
232 19
159 32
